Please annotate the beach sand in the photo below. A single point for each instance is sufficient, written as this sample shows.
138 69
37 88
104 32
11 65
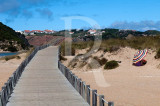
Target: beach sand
126 85
8 67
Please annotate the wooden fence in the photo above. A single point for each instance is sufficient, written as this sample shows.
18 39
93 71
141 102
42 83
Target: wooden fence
84 90
8 88
89 95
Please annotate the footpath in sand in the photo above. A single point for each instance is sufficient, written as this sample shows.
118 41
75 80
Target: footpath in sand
126 85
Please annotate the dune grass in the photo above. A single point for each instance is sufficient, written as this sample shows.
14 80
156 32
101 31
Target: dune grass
150 42
111 45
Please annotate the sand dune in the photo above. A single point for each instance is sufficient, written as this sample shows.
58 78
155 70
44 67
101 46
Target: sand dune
126 85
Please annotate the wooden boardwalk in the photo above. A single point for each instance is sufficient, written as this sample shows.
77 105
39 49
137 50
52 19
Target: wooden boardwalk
43 84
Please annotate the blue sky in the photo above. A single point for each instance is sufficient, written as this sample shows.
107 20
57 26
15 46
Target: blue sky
46 14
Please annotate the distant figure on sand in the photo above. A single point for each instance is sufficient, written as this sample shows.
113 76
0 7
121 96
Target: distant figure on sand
138 59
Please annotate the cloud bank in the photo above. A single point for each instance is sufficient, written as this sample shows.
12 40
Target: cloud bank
45 12
140 26
27 8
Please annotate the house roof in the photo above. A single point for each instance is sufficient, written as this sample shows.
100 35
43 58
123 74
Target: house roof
48 30
92 31
27 31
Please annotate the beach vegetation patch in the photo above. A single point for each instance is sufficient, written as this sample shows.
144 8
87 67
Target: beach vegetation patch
100 61
12 49
62 58
157 54
111 64
7 58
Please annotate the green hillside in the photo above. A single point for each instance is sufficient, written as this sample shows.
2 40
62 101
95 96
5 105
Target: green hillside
11 40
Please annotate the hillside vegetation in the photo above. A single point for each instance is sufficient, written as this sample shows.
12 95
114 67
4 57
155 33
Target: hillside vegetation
11 40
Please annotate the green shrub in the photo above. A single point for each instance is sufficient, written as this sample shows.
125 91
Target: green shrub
10 57
18 57
12 49
111 64
6 58
62 58
157 56
106 50
103 61
97 59
100 61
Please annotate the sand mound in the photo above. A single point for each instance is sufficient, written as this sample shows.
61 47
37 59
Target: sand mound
126 85
125 55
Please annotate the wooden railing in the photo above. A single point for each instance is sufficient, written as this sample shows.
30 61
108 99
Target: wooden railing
90 95
8 88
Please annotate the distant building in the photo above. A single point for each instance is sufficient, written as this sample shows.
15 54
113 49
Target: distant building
95 32
49 31
71 33
26 32
92 31
37 31
20 32
33 32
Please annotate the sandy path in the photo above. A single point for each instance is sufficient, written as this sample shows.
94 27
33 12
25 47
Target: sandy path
8 67
126 85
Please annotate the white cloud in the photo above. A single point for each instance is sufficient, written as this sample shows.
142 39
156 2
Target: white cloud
141 26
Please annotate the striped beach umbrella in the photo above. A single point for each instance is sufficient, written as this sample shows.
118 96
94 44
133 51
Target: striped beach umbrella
139 55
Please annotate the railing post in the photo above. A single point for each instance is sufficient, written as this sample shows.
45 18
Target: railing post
78 80
73 79
87 94
7 90
101 102
79 86
66 72
70 77
10 84
14 79
110 103
83 89
59 52
94 98
1 100
4 98
75 84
